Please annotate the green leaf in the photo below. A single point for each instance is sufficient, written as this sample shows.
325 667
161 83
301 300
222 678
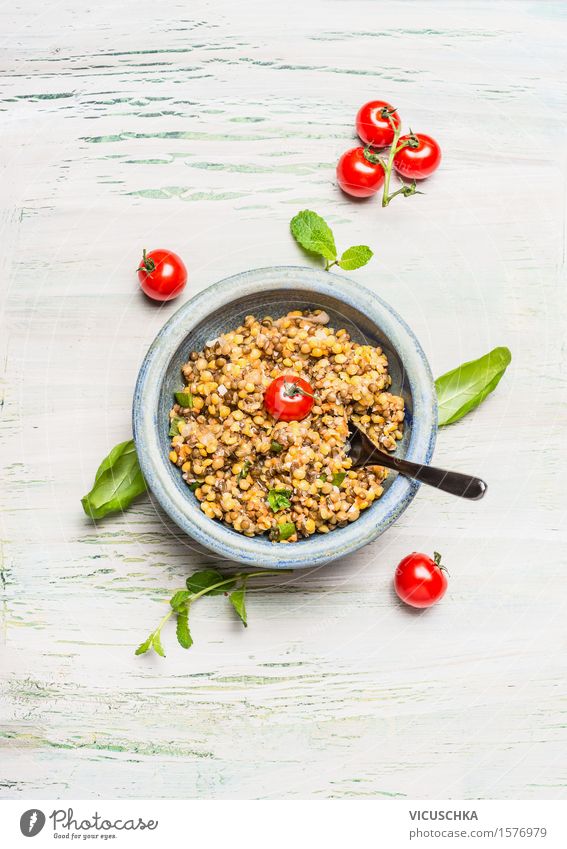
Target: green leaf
174 425
199 581
313 234
195 485
118 481
184 637
338 478
355 257
278 499
276 447
461 390
143 647
156 643
237 599
244 470
184 398
179 599
286 530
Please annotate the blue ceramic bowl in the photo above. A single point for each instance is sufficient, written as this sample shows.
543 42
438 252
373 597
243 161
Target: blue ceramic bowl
275 291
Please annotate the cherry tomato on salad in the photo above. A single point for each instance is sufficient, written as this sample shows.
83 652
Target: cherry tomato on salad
359 173
162 275
373 125
419 580
419 159
288 398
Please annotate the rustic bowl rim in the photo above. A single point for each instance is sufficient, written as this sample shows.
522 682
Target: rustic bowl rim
185 511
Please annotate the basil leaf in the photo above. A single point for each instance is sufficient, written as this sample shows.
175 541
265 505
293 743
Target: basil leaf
313 234
143 647
278 499
461 390
237 599
276 447
174 425
199 581
355 257
156 644
118 481
180 599
184 398
184 637
286 530
338 478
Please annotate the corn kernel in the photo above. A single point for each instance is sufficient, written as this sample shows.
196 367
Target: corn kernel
173 456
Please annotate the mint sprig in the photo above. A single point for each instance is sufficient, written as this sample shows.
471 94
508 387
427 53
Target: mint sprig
314 235
204 582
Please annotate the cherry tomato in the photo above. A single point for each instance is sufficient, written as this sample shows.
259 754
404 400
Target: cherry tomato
288 398
420 159
162 275
372 124
358 175
419 580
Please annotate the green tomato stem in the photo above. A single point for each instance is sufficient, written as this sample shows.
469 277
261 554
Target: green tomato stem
394 149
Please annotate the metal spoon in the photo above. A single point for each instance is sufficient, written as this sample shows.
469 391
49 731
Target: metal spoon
363 452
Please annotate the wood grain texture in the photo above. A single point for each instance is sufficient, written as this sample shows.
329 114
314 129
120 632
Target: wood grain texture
204 127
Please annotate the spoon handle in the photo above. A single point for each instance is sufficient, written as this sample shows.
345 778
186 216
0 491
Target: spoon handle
466 486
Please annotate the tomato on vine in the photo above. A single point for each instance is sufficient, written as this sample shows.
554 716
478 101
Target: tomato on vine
162 275
417 156
360 173
376 123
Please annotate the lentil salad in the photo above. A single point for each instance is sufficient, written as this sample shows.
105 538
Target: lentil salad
258 473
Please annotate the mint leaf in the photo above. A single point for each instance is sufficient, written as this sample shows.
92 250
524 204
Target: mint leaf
182 630
156 643
174 425
338 478
184 398
276 447
278 499
313 234
117 482
237 599
180 599
207 578
286 530
143 647
355 257
195 485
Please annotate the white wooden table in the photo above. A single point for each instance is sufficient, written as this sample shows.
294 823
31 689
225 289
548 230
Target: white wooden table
203 127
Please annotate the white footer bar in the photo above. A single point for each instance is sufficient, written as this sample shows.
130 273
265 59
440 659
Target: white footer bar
333 824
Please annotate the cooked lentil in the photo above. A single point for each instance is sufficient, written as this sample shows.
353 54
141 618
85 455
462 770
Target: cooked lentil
232 453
